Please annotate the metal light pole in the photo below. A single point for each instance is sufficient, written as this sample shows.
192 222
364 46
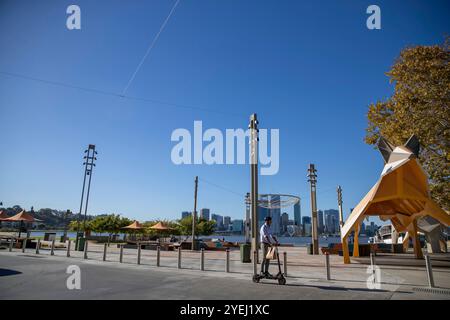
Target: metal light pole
253 126
341 214
88 166
247 218
194 214
313 180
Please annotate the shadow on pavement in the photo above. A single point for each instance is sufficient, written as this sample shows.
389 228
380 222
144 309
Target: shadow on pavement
8 272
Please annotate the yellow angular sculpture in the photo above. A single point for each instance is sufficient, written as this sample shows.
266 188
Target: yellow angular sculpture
401 195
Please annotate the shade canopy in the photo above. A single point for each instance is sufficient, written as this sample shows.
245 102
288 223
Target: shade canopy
161 227
134 226
3 215
22 216
401 194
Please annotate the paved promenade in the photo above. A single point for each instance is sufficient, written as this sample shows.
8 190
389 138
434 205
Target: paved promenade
28 276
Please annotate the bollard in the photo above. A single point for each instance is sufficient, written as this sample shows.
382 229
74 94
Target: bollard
68 248
11 241
429 271
227 264
255 263
104 251
179 257
52 251
285 263
139 254
158 256
202 259
327 265
24 244
121 253
85 249
38 244
372 263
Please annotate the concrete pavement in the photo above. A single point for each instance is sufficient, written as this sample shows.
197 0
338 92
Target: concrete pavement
31 276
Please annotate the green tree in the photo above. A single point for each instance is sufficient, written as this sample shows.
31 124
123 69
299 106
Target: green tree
420 105
202 227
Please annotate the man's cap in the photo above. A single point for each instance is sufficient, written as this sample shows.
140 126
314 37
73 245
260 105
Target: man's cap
268 218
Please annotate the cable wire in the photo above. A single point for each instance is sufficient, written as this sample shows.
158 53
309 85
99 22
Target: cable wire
155 39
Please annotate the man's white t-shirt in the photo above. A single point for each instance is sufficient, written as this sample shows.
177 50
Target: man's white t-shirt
265 234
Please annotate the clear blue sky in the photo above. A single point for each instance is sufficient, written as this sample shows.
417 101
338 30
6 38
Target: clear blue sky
309 68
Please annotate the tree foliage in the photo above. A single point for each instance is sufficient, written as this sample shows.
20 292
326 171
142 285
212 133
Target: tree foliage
202 227
420 105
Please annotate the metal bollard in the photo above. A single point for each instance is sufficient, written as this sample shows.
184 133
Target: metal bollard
104 251
158 256
285 263
429 271
24 244
255 263
327 265
121 253
179 257
227 265
52 251
68 248
38 245
85 249
139 254
202 259
372 263
11 241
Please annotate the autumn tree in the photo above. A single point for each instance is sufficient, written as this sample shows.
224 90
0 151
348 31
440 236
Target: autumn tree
420 105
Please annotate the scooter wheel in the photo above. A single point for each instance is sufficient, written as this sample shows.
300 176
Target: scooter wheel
256 279
282 281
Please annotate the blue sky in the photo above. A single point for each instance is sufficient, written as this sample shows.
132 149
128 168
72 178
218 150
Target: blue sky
308 68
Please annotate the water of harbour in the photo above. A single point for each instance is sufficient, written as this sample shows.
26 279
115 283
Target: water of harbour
296 241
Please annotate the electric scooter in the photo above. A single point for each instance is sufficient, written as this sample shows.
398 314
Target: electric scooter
279 276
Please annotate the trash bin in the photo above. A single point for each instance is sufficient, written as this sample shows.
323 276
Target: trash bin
245 249
80 245
310 248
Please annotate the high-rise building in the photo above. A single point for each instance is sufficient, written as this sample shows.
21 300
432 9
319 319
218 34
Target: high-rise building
307 229
262 213
306 220
226 222
320 226
204 213
284 222
219 221
238 226
185 214
332 221
297 214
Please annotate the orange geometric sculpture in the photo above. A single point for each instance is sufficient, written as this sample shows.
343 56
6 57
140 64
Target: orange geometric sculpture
401 195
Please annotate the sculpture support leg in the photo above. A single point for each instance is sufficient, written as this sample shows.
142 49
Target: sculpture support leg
345 250
356 241
412 230
406 242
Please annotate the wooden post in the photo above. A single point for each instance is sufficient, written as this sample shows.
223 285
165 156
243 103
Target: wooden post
356 241
202 259
412 230
345 250
38 244
104 251
68 248
52 250
121 253
158 256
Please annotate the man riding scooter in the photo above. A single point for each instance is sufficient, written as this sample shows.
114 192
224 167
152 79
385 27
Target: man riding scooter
267 240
